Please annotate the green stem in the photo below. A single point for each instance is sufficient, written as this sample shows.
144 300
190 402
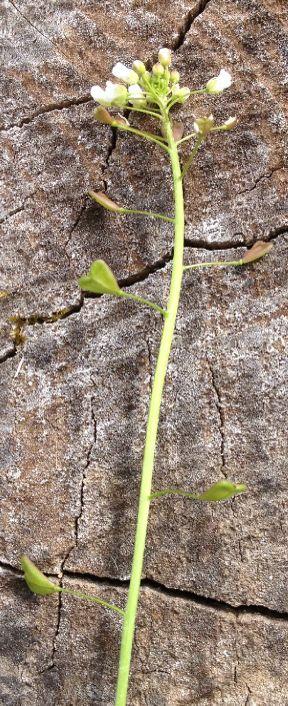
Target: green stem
146 112
146 135
87 597
152 425
217 263
151 214
187 137
196 147
173 491
136 298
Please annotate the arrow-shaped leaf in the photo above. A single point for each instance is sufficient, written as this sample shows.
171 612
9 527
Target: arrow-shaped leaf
36 581
100 280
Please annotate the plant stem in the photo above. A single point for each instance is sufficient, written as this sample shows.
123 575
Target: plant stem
136 298
173 491
217 263
87 597
196 147
151 214
146 112
187 137
152 425
146 135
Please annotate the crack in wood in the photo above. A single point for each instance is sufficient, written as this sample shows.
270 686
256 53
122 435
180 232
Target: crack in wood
191 16
33 319
158 587
219 407
39 31
50 108
261 178
78 517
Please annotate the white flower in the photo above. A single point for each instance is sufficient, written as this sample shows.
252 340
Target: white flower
127 75
97 94
219 83
164 56
114 94
136 95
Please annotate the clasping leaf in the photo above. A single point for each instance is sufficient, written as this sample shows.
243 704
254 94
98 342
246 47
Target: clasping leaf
222 490
100 280
36 581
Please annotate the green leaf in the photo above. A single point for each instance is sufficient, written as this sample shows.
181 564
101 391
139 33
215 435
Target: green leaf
36 581
100 280
222 490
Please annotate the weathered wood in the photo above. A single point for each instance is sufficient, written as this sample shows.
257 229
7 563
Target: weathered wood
75 375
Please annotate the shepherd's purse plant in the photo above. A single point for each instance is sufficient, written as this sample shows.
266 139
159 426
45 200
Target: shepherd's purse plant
151 93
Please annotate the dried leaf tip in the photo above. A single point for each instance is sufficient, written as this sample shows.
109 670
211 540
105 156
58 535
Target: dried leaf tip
36 581
104 200
257 251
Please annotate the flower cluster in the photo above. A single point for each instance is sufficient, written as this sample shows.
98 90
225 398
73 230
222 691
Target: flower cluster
160 87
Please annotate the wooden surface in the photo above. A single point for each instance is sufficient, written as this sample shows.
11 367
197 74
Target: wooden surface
75 374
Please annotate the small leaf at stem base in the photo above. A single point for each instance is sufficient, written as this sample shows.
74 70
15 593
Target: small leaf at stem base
36 581
222 490
100 280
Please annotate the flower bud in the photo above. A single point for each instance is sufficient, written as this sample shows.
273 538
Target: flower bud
158 69
175 76
146 76
258 250
139 67
203 125
165 56
183 94
180 93
219 83
101 114
103 200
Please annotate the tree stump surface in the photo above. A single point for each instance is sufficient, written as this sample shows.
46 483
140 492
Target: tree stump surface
76 373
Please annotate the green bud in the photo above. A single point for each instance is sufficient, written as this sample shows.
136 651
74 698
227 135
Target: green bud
165 56
158 70
139 67
36 581
203 125
101 114
175 76
100 280
222 490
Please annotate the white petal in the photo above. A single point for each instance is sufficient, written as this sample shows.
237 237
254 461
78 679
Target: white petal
224 79
230 122
97 93
217 84
135 91
127 75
